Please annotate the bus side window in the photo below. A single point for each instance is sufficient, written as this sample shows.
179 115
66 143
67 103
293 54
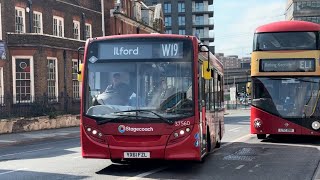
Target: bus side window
212 90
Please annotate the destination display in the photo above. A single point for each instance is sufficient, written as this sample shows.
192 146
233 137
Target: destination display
287 65
140 50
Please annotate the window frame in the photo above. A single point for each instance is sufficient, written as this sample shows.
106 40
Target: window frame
58 18
90 27
181 20
23 21
56 88
79 29
165 23
41 22
181 7
75 80
14 79
167 7
183 30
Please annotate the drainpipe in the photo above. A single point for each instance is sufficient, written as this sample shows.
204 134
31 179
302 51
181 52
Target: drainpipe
83 19
30 16
65 81
102 19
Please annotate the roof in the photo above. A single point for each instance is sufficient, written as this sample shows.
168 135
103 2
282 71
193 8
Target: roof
155 35
285 26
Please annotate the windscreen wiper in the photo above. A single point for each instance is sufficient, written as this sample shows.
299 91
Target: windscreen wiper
104 120
150 111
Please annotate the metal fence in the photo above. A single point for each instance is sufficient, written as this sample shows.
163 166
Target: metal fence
13 107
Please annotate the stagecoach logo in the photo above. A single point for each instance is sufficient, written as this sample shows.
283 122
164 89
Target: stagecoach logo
123 129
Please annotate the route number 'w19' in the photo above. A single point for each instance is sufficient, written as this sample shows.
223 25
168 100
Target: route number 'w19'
170 50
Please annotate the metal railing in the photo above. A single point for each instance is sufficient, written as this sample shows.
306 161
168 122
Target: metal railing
38 106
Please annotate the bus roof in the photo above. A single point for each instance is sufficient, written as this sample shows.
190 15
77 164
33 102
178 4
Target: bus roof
285 26
126 36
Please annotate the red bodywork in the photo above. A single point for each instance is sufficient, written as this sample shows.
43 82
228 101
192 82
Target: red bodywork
160 142
271 124
287 26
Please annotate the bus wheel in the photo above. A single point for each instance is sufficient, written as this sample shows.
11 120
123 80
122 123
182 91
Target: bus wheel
261 136
208 141
218 143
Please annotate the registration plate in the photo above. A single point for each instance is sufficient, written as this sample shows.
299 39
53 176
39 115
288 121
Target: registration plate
136 154
286 130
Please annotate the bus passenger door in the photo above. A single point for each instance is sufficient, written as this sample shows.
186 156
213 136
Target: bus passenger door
202 110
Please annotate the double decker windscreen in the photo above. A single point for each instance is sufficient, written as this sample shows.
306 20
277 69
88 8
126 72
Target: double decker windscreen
139 80
287 97
286 41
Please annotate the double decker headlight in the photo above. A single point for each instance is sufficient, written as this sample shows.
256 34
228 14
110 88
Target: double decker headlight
315 125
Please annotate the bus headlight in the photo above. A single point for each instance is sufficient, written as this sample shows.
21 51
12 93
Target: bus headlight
257 123
316 125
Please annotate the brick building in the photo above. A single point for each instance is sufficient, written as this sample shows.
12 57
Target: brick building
38 47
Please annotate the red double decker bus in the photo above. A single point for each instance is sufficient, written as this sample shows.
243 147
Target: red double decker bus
285 73
150 97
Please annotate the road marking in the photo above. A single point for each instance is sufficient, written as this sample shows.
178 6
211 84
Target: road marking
13 154
13 171
235 129
139 176
7 141
239 167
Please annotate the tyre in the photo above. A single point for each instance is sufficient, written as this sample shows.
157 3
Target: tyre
261 136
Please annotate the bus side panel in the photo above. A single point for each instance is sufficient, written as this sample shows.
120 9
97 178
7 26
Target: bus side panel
92 149
310 132
188 149
271 124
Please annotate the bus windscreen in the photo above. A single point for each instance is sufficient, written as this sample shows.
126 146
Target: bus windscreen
126 76
285 41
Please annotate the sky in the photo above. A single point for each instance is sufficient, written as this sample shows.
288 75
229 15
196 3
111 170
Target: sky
236 20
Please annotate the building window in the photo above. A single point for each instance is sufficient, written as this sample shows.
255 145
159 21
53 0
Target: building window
37 22
58 26
75 82
76 30
182 31
199 7
199 20
181 7
167 21
200 33
168 31
20 20
182 20
88 31
52 79
167 7
1 86
23 82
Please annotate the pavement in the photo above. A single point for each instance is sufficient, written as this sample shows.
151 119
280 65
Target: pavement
37 136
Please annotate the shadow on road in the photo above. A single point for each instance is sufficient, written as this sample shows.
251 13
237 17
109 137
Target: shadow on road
293 139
